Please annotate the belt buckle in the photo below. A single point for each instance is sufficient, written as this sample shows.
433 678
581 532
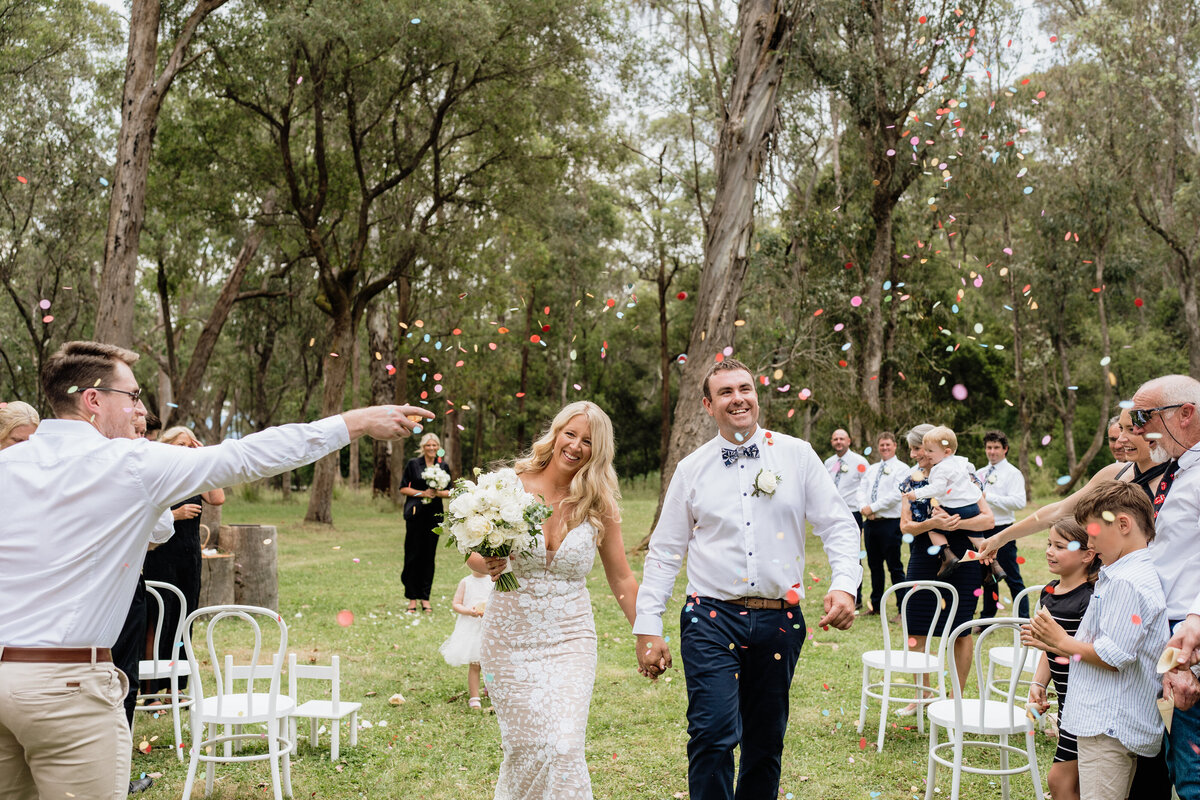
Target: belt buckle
756 602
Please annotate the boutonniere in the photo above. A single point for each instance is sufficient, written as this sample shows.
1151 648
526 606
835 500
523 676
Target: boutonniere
844 468
887 470
991 479
765 482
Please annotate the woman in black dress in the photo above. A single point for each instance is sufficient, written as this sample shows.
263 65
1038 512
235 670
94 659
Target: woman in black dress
176 561
422 513
917 519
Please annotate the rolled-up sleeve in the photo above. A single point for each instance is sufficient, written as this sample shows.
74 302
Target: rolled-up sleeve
171 474
1195 609
1122 612
668 546
832 522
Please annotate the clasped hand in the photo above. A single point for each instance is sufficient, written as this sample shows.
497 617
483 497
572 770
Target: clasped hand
653 655
1043 632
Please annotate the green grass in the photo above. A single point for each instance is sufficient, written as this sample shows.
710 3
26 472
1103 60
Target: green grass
434 747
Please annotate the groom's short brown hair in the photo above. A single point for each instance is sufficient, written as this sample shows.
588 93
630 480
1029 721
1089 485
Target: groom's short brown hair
725 365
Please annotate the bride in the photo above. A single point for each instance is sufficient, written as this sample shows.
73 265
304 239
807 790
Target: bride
539 643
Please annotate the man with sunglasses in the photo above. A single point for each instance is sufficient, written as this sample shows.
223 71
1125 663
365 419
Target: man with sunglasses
80 500
1166 411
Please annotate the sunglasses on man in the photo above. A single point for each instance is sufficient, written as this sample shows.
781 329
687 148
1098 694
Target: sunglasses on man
1141 416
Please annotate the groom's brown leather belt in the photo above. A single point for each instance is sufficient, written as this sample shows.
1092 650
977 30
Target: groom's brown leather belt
762 602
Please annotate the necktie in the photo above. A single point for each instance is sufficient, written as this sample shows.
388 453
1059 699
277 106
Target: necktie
875 486
731 454
1164 486
837 472
989 472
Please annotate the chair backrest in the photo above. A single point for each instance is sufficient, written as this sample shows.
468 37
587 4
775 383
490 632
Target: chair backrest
315 672
993 625
225 670
941 612
154 589
1033 594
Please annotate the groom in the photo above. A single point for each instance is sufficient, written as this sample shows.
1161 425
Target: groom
736 509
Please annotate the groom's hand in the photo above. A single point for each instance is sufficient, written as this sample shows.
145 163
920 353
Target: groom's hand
653 655
839 610
385 422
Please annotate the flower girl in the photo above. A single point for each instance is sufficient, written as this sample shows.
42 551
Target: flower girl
463 645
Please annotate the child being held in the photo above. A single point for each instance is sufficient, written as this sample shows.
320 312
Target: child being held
952 486
470 600
1070 557
1113 656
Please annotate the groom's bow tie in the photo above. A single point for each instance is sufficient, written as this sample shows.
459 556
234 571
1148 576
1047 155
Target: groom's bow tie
731 454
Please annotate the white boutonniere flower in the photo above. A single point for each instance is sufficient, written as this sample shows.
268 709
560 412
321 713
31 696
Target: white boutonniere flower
765 482
887 470
845 468
991 479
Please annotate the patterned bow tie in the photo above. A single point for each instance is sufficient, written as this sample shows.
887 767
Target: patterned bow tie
731 454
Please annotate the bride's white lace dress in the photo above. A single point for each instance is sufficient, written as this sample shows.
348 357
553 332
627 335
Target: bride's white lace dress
539 661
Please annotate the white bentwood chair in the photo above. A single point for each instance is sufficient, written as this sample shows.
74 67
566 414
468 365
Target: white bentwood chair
981 718
917 663
228 708
1005 656
171 669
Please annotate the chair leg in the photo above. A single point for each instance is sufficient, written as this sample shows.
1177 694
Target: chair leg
920 695
1004 765
334 738
292 729
931 775
193 762
862 698
354 729
287 761
175 715
312 731
1031 754
956 779
210 772
273 751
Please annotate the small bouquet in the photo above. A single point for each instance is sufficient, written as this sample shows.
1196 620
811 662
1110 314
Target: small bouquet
493 517
435 478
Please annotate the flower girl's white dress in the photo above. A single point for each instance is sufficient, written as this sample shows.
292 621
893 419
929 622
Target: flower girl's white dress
462 647
539 661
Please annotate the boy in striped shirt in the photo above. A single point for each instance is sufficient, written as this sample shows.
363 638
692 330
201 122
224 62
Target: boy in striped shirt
1111 706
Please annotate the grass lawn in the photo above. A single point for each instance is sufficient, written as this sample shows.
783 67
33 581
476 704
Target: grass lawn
434 747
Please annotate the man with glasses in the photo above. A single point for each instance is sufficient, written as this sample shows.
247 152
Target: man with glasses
81 499
1165 412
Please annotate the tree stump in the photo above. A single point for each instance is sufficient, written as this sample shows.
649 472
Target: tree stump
255 561
216 580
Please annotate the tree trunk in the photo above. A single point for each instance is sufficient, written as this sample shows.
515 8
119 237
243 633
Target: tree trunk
1023 418
524 388
140 103
764 36
452 444
379 341
320 498
255 564
400 387
216 581
664 367
355 358
877 269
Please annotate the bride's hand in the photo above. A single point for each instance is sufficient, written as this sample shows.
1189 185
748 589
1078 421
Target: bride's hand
496 565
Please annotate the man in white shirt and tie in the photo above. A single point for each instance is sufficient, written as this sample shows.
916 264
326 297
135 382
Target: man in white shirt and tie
81 501
736 509
1004 488
847 469
879 504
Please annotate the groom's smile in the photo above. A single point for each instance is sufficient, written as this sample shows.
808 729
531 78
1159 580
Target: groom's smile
733 404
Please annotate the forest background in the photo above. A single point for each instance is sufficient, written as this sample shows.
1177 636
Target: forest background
984 214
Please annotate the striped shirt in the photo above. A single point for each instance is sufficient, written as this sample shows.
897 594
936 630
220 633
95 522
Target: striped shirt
1126 622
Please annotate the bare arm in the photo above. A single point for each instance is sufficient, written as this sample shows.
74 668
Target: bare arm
216 497
621 580
457 602
1040 520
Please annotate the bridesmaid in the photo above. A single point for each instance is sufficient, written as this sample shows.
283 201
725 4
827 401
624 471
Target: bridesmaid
539 642
422 513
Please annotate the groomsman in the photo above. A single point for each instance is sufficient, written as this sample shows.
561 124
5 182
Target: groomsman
879 504
736 510
847 468
1004 488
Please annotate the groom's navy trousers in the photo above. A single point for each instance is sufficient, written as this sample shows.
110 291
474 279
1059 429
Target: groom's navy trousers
738 663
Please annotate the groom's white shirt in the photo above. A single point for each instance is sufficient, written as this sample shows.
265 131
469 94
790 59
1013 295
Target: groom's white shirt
738 545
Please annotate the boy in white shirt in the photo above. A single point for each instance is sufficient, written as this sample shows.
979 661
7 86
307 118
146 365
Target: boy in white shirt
951 485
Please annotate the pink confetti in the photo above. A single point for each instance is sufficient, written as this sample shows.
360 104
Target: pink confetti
959 392
44 304
48 319
1136 620
1008 251
856 301
345 618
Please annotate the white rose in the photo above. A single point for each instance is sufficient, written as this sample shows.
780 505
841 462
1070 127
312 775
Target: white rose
465 538
478 526
495 539
513 513
767 481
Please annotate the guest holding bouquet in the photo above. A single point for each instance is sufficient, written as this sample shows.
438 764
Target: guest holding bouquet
539 640
422 513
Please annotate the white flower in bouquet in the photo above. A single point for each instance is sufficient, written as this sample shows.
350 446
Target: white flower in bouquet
494 517
435 478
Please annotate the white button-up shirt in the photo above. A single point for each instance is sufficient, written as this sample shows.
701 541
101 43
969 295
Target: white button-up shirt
1004 488
951 484
1176 545
846 475
1126 624
880 488
739 545
79 510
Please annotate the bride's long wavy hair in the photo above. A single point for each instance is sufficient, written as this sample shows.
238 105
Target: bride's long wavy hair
594 490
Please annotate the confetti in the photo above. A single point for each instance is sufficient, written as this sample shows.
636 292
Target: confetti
1135 619
345 618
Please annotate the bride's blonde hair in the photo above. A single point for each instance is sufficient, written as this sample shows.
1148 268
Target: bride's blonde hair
594 490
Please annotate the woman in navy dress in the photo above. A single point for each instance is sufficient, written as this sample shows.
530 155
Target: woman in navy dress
422 513
917 519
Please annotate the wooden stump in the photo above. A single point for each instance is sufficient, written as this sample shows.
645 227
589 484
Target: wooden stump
255 562
216 580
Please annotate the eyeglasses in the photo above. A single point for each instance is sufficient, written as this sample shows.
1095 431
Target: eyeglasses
1141 416
135 395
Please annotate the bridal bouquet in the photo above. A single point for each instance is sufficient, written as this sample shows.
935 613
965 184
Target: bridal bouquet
493 517
435 478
